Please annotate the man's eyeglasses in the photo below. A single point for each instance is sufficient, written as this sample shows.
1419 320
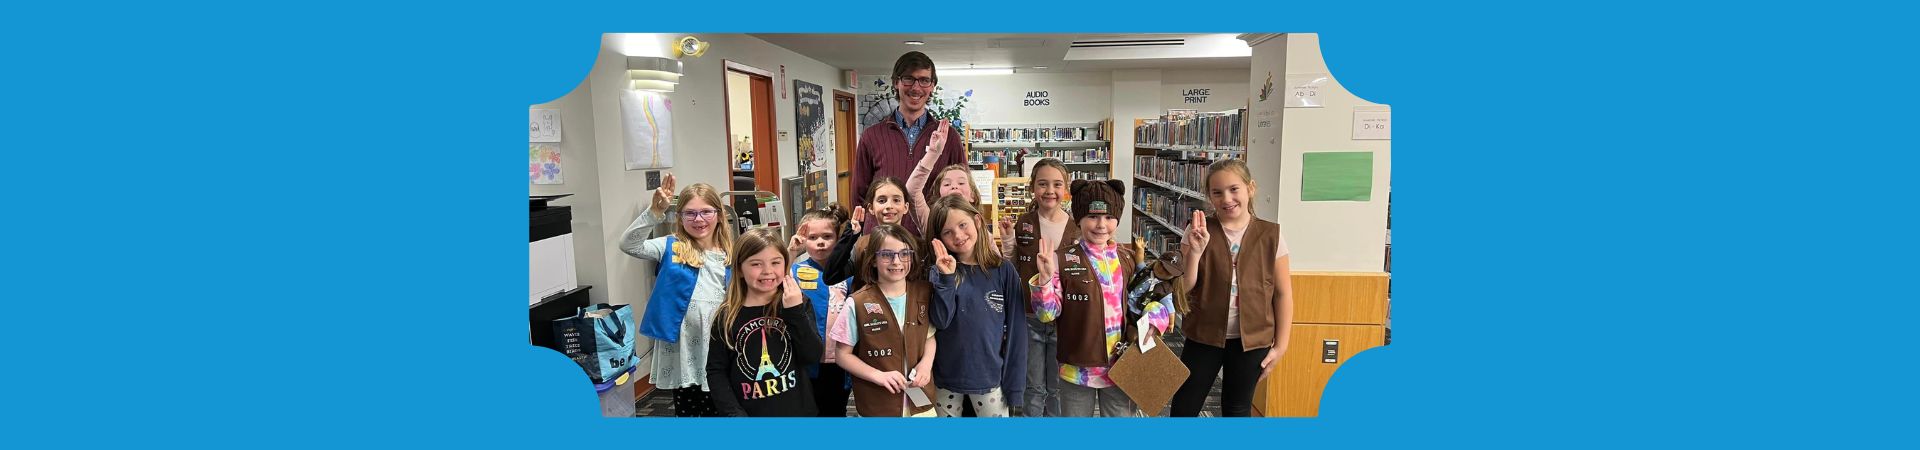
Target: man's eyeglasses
889 255
702 214
921 82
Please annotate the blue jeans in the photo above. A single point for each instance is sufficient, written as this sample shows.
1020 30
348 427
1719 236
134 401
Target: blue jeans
1043 371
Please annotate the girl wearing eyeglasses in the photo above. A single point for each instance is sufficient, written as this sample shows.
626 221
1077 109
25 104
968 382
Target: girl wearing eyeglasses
690 284
887 342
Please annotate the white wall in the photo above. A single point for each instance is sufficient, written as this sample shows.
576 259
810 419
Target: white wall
1000 99
580 177
1324 236
699 130
1225 89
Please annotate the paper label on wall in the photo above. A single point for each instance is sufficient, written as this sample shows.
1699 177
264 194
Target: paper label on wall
1303 90
543 125
1374 125
983 182
543 164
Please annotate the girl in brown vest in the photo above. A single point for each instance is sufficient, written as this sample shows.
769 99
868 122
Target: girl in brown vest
764 339
1081 288
887 343
1242 309
1048 221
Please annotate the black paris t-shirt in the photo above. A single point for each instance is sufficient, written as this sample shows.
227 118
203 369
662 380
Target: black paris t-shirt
765 373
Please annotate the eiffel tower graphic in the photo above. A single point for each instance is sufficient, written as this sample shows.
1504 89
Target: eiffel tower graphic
766 362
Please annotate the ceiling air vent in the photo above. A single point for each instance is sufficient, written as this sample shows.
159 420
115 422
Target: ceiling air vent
1129 43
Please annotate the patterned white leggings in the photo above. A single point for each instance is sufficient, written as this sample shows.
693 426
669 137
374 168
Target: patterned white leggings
990 404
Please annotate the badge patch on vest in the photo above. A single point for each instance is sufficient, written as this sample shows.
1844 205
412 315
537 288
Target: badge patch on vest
1026 227
873 308
807 274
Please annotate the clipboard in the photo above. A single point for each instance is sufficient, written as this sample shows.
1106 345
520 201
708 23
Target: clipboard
1150 378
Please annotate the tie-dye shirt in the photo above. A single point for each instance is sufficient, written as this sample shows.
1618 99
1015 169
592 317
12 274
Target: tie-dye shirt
1106 264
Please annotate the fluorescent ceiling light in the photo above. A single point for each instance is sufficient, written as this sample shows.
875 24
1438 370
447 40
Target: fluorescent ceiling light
914 43
652 85
650 73
1039 67
965 72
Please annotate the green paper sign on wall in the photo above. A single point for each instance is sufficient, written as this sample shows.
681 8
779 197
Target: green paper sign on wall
1336 176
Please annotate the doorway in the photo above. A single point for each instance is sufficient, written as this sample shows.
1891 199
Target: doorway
844 132
753 163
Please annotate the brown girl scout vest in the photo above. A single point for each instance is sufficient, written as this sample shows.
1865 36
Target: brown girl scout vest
1026 242
1212 288
1082 322
888 346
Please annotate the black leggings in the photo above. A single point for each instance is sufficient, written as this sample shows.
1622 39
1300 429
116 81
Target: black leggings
830 391
690 401
1241 372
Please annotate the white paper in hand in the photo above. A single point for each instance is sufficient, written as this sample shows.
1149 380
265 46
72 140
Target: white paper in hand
1146 341
918 396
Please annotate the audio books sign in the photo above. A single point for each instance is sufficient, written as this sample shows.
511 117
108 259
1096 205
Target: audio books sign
1037 98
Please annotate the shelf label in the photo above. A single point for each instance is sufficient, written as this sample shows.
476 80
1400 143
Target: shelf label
1374 125
1303 90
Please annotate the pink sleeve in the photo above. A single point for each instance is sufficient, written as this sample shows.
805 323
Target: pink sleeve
1279 247
917 181
837 329
836 320
1046 297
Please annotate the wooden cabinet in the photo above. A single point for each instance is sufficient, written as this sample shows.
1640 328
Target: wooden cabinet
1294 388
1346 307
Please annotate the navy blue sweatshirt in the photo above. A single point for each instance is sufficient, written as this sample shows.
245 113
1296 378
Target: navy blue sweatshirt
982 329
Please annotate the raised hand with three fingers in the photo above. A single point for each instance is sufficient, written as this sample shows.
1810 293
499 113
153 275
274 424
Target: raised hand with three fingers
663 196
942 260
1196 239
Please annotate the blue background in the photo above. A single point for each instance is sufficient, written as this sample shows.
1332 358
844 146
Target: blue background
1619 223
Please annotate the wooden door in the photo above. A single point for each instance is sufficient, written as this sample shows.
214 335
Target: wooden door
766 158
846 128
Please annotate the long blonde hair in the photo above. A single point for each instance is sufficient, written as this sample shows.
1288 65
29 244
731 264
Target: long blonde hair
945 209
752 243
722 227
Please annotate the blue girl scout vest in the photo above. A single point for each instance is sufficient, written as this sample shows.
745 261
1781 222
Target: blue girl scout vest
672 291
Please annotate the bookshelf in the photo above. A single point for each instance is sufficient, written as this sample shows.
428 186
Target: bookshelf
1170 156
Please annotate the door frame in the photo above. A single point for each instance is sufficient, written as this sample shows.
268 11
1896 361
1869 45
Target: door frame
766 149
846 136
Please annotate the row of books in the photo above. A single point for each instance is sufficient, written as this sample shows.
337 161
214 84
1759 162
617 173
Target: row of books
1036 134
1186 127
1156 239
1085 175
1175 209
1101 154
1189 175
